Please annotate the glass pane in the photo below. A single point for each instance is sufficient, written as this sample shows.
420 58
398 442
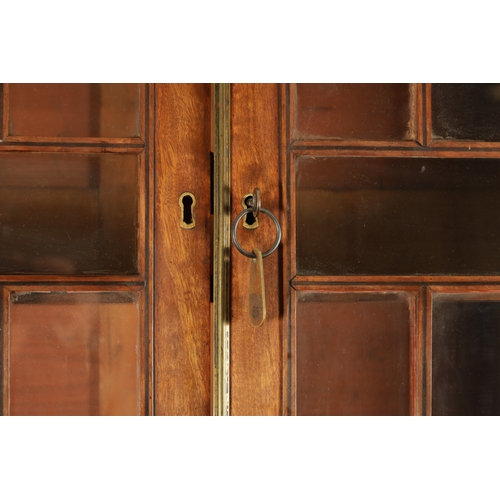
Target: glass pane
353 354
74 353
398 216
466 355
68 213
74 109
353 111
466 111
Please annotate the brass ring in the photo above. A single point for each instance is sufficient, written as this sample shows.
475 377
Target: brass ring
251 255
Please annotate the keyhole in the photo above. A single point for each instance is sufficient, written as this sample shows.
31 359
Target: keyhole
250 221
187 202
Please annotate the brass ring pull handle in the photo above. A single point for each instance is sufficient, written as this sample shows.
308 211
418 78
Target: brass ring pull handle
237 243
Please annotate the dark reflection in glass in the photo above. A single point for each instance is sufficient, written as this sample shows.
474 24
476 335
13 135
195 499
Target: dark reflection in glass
465 355
398 216
369 111
74 109
74 354
466 111
68 213
353 354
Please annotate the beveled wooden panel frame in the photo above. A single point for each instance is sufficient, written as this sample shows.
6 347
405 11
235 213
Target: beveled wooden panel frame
469 292
143 221
466 144
143 280
142 369
26 143
416 320
417 124
289 179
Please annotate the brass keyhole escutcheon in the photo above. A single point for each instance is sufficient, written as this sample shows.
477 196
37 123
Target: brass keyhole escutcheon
250 221
187 201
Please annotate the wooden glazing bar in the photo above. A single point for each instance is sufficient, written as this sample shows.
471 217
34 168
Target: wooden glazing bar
5 113
420 152
291 99
72 279
445 144
143 108
292 348
300 282
5 352
419 113
300 144
144 372
417 354
428 351
91 141
293 213
69 148
141 215
71 288
428 114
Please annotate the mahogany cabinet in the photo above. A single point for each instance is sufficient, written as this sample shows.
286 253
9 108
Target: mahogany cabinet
123 294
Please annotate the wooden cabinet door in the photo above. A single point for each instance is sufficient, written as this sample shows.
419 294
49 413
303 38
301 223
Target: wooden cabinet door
383 298
105 249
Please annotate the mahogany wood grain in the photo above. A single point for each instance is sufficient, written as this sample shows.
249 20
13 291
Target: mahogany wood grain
256 353
182 256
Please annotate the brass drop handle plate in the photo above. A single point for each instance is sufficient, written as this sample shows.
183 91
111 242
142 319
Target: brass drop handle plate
256 288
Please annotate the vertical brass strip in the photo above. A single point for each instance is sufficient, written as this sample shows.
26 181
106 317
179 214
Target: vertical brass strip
222 248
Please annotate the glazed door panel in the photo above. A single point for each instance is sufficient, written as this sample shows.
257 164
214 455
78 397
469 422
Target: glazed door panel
385 191
106 293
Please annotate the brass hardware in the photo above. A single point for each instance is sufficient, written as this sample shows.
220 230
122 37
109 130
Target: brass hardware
257 291
237 243
187 201
222 244
245 203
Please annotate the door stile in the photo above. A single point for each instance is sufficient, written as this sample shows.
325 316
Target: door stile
287 248
149 246
182 360
256 353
